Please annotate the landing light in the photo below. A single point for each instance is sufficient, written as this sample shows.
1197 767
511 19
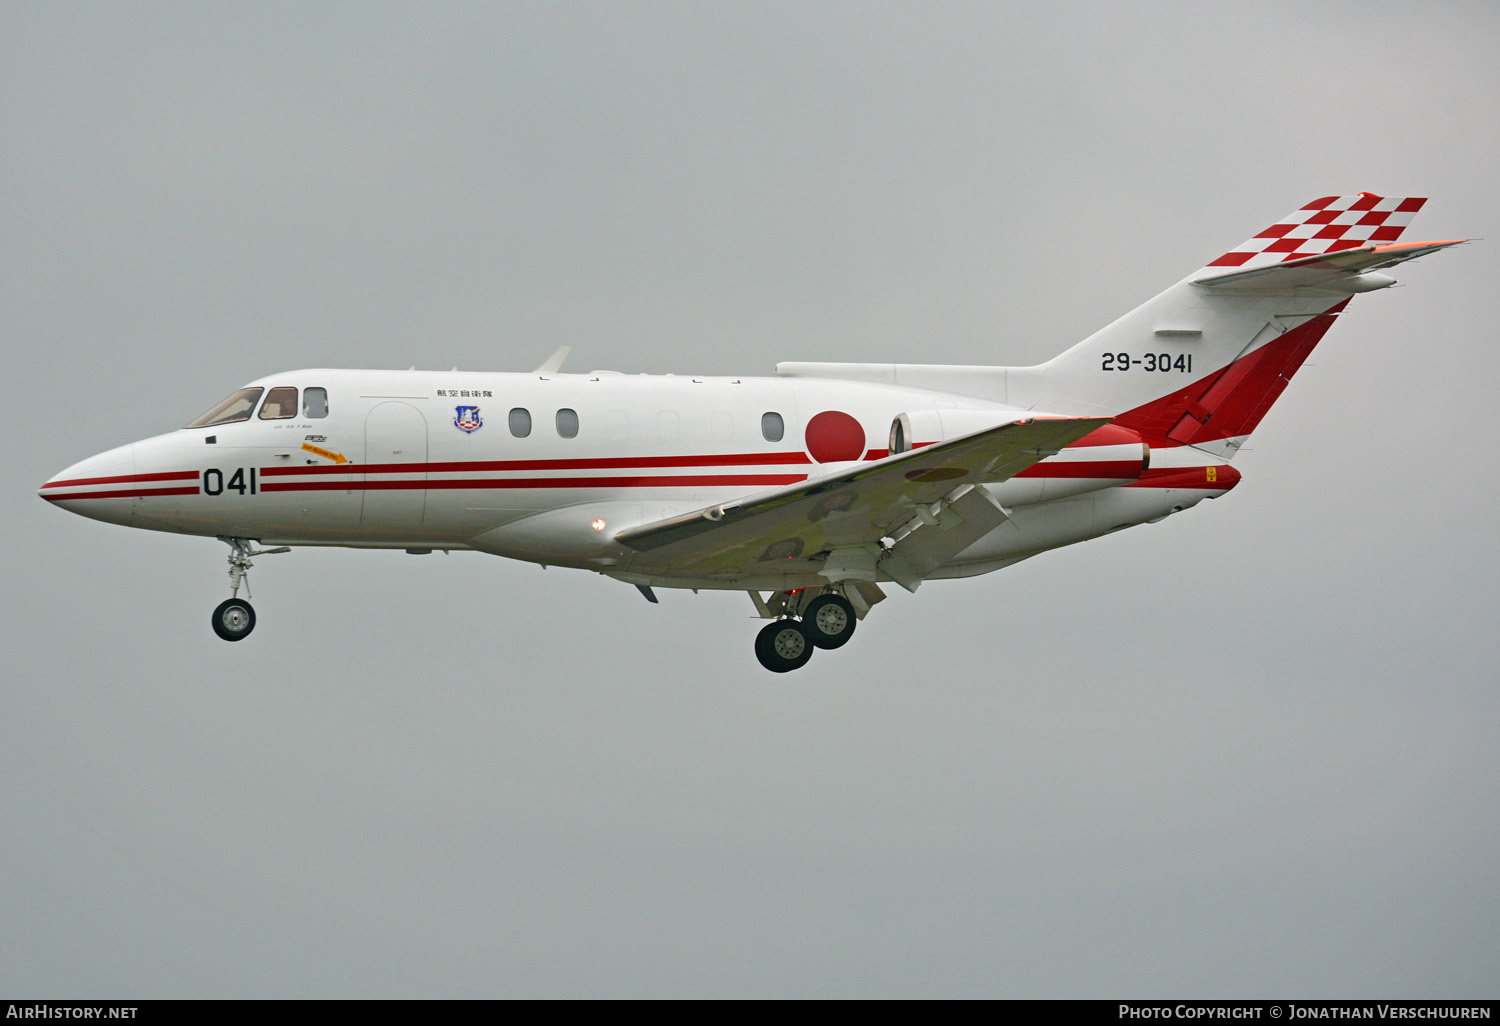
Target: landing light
598 525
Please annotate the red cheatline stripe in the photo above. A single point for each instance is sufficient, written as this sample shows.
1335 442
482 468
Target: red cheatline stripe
661 481
126 494
602 463
79 482
1121 469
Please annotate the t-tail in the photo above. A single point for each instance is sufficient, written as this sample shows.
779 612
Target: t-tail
1201 363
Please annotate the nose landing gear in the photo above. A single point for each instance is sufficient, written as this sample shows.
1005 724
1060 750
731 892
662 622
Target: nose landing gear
234 618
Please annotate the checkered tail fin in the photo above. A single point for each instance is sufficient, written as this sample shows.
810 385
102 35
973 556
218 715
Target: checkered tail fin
1325 225
1201 363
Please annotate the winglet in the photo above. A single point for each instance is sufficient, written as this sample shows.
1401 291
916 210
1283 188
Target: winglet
553 363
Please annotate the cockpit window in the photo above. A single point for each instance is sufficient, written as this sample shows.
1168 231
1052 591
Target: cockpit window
280 404
315 402
236 408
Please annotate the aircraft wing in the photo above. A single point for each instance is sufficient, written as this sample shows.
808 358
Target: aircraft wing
924 500
1325 268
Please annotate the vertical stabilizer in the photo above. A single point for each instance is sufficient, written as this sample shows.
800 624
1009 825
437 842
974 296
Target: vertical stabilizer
1201 363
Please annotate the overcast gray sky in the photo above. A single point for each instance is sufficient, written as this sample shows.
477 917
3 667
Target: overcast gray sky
1246 752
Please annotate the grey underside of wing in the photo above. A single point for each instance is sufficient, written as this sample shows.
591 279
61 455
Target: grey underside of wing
925 501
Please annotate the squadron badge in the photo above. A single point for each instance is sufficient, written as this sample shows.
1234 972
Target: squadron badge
466 418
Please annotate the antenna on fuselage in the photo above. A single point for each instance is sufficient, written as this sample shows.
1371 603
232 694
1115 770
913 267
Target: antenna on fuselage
554 363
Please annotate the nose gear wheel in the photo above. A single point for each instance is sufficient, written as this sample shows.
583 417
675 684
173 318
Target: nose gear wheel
234 619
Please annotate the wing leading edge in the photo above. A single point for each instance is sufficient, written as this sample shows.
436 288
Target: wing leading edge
925 502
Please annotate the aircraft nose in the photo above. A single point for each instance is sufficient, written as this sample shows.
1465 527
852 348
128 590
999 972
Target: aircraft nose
98 487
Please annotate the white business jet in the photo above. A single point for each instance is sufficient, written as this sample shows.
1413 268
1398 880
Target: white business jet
810 490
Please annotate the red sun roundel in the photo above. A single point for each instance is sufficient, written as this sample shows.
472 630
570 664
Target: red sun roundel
834 437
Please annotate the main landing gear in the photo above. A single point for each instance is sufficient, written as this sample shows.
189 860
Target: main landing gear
830 620
234 618
785 644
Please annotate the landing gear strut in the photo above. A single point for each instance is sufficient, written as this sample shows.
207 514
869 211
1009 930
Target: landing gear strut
234 618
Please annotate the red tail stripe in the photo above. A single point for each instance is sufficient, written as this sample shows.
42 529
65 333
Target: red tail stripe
1109 434
1233 401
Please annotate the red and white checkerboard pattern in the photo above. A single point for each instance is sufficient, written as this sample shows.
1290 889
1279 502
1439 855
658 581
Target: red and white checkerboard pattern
1324 226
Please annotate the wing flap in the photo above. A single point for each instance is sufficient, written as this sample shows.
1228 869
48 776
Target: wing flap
941 532
850 509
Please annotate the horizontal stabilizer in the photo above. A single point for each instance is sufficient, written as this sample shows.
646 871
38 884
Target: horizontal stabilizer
1345 269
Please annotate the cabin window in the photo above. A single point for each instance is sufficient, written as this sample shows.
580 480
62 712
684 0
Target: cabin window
772 426
520 422
567 423
232 410
314 402
280 404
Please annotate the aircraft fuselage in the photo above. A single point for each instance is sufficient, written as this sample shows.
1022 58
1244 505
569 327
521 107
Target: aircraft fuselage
548 468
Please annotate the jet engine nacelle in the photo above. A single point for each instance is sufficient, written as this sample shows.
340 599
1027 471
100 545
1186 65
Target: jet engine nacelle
1104 458
923 427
